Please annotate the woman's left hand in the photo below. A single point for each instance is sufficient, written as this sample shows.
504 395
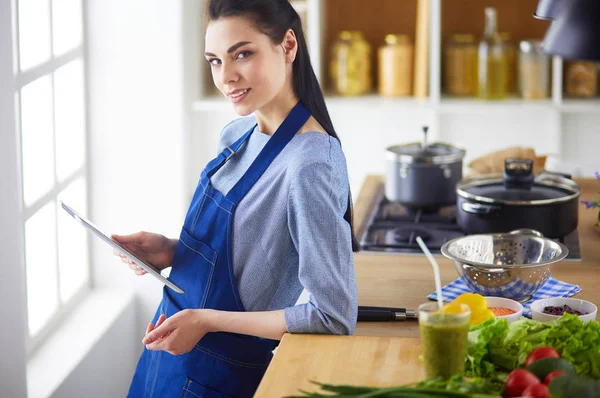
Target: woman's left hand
178 334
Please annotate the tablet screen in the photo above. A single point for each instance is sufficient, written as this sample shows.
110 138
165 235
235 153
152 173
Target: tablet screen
95 231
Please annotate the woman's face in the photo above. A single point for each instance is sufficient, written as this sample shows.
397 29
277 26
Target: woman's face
246 66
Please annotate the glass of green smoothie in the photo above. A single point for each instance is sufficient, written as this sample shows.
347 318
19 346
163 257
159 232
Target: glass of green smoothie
444 338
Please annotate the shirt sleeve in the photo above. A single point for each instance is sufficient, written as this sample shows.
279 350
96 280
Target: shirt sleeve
317 201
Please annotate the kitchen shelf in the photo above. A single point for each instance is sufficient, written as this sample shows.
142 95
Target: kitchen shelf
373 100
587 106
559 125
470 105
514 17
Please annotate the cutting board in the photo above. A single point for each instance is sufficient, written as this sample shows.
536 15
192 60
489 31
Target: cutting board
355 360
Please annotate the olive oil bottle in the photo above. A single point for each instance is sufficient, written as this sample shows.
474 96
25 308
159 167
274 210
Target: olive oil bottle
492 62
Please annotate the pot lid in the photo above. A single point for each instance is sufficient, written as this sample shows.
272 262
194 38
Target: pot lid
543 190
422 152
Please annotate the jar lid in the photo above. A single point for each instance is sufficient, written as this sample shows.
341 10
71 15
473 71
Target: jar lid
397 39
528 46
346 35
438 153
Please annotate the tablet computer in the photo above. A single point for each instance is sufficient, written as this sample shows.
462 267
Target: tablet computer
92 228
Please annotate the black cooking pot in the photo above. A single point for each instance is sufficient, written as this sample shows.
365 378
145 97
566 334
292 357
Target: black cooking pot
502 203
423 176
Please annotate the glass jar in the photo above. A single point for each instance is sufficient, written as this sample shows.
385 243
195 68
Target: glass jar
510 50
581 79
460 65
534 70
395 66
491 60
350 65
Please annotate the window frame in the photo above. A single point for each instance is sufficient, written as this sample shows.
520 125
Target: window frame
21 79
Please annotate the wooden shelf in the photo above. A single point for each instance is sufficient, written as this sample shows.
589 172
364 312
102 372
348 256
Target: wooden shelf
514 17
588 106
374 18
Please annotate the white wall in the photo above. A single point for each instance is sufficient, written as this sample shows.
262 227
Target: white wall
137 134
107 369
12 269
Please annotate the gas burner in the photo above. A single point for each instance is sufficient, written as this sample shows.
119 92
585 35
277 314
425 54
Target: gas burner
394 228
409 235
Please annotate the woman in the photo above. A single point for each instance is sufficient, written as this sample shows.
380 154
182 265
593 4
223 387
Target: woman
282 173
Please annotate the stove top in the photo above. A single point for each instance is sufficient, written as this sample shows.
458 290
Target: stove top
393 228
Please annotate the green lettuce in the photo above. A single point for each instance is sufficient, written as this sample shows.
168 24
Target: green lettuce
494 345
478 361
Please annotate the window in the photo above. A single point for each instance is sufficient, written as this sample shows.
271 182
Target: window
50 96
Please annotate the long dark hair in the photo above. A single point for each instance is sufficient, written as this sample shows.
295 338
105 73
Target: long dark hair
274 18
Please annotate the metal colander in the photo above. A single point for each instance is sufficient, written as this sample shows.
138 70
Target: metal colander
514 265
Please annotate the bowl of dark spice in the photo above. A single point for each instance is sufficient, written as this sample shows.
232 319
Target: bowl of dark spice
549 309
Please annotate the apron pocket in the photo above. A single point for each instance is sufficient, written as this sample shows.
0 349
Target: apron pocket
192 270
191 389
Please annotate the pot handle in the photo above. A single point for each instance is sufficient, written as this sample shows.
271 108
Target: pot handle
477 208
526 231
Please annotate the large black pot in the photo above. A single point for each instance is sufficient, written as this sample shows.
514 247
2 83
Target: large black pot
423 176
502 203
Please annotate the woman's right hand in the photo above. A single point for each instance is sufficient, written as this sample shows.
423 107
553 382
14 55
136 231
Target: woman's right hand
153 249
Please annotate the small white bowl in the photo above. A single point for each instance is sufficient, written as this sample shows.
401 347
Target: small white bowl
502 302
537 308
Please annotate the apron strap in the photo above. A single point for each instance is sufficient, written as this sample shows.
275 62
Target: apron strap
214 165
284 134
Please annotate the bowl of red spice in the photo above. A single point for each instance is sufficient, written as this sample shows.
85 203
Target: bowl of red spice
549 309
504 308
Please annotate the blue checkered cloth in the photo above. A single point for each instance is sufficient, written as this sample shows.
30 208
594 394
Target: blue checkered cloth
552 288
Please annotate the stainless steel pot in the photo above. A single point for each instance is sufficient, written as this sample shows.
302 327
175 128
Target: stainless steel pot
499 203
422 175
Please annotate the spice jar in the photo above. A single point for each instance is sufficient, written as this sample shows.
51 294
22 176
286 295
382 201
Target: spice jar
460 65
510 50
581 79
395 66
534 70
350 65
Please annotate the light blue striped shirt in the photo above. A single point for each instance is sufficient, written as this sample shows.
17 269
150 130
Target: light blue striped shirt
289 231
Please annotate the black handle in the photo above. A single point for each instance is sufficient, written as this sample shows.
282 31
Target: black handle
369 307
385 314
518 173
375 316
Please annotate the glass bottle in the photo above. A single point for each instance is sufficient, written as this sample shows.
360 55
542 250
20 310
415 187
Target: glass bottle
510 49
492 60
534 70
460 65
395 66
350 65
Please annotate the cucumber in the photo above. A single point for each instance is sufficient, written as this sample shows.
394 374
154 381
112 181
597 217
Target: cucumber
574 386
543 366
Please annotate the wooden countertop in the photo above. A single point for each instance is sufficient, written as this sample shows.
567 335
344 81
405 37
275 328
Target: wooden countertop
393 280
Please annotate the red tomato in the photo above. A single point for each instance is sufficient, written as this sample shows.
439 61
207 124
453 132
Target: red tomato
518 380
537 391
539 353
553 375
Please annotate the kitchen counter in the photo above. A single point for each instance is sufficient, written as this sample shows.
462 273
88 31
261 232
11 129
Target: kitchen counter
394 280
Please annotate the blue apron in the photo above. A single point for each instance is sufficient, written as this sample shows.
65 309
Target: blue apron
221 364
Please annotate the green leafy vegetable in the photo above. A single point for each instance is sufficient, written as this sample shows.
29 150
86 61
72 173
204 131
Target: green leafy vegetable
495 345
455 387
